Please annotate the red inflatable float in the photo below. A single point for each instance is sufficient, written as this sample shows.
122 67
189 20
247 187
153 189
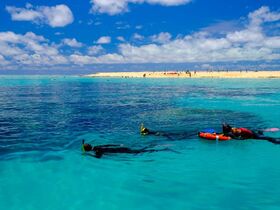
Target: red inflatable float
213 136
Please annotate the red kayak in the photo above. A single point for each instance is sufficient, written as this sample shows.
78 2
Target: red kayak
213 136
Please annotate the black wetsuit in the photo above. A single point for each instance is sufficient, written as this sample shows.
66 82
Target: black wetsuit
260 136
169 135
250 134
113 148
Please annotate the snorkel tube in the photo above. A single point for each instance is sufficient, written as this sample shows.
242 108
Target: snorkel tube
83 147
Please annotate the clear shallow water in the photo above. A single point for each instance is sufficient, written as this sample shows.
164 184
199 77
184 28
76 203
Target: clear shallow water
43 120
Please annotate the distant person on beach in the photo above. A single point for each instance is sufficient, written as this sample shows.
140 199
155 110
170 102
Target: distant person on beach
100 150
245 133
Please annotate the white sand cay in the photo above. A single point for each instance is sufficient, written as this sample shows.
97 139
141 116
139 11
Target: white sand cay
191 74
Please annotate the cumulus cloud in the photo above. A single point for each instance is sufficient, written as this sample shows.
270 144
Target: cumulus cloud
82 59
29 49
250 43
121 38
3 61
72 43
162 37
55 16
94 50
103 59
113 7
262 15
137 36
104 40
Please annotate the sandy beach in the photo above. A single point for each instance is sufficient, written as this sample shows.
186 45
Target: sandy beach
191 74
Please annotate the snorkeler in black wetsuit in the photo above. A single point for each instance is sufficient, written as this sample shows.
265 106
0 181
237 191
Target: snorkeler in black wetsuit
171 136
145 131
114 148
245 133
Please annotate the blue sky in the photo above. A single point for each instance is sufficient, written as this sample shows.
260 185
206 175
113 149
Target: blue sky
114 35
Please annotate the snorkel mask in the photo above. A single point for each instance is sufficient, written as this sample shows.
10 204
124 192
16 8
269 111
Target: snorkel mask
143 130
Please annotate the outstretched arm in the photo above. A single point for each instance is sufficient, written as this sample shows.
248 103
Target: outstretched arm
108 145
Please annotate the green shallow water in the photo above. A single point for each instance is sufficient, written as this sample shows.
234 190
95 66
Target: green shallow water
43 120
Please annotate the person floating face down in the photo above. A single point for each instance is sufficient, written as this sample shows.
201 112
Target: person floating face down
145 131
237 133
245 133
100 150
169 135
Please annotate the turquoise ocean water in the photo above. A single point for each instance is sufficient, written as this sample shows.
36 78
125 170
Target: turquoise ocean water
44 118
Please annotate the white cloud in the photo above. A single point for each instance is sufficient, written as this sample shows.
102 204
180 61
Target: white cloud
247 44
9 50
56 16
272 42
72 43
29 49
87 60
121 38
110 58
223 27
137 36
94 50
161 38
250 44
246 35
3 61
104 40
82 59
261 16
113 7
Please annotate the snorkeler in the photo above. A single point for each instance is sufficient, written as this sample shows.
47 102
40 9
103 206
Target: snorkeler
114 148
171 136
245 133
145 131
